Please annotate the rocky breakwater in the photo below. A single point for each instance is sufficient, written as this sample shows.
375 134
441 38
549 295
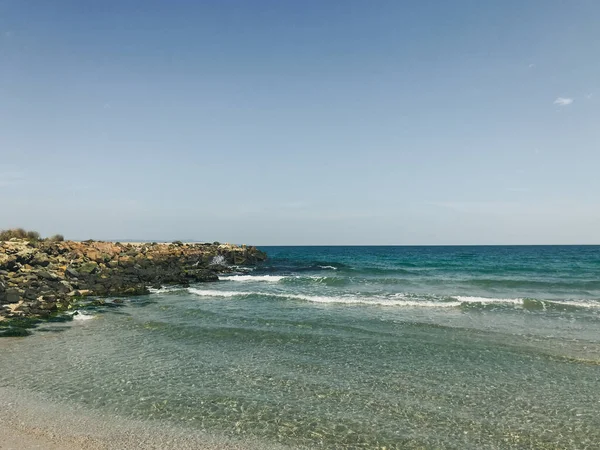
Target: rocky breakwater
40 278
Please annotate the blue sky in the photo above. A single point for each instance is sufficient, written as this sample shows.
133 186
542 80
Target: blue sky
313 122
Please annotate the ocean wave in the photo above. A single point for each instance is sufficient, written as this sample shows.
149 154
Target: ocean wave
530 304
286 266
489 301
410 300
80 315
386 271
394 300
243 269
288 279
315 279
328 265
534 284
165 289
245 278
215 293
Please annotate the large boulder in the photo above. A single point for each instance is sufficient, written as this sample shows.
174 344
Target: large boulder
88 268
7 262
40 259
26 255
47 275
72 272
12 296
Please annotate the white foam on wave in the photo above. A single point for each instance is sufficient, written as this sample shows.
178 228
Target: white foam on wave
270 278
215 293
578 304
245 278
314 277
328 267
521 302
379 301
164 289
396 300
489 301
399 299
79 315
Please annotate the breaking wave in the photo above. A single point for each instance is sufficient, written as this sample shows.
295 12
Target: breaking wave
393 300
408 300
268 278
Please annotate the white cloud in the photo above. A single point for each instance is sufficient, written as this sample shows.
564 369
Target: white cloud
532 66
589 96
562 101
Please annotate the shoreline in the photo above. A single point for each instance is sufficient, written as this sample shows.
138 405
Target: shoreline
32 421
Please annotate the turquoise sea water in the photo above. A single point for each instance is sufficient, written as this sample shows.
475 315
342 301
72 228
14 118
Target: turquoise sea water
347 347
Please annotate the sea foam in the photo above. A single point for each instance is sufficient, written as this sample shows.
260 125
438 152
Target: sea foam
527 303
401 300
215 293
164 289
245 278
395 300
489 301
79 315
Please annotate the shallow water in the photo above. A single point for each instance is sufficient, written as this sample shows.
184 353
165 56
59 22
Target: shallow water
347 347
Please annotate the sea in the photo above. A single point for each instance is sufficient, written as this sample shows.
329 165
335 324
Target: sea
382 347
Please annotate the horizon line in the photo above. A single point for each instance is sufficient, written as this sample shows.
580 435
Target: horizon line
193 241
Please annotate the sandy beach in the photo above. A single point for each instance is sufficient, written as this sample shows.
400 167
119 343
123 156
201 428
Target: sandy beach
28 422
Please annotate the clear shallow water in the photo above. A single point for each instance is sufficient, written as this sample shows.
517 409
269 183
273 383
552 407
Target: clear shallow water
348 347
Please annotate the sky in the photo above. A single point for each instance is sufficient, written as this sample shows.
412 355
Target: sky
423 122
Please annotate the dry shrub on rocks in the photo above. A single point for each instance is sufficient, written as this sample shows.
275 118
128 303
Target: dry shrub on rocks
32 236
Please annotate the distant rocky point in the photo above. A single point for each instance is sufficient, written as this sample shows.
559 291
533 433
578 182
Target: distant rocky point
41 276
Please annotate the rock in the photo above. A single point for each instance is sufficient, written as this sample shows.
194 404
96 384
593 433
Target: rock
72 272
31 294
12 296
201 275
139 289
88 268
47 275
64 287
40 259
37 279
48 305
8 262
25 255
126 261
